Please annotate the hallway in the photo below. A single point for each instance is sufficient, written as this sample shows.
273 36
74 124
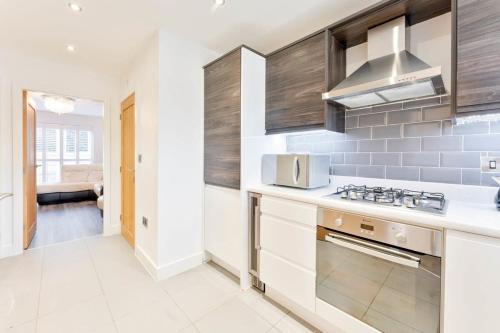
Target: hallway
97 285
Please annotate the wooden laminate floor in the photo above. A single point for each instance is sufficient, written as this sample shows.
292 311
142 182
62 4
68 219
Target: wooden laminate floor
64 222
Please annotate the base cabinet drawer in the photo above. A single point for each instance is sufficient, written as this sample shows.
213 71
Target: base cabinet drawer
290 210
294 282
291 241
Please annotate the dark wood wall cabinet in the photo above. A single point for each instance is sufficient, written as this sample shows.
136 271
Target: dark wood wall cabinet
298 74
295 80
222 121
477 39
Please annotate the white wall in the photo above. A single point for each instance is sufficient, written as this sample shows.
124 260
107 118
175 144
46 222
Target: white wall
20 71
180 153
92 123
429 40
143 80
167 78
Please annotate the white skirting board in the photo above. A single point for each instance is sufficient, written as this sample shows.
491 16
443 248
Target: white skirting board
165 271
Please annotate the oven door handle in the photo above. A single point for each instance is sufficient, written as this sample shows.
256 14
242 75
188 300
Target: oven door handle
374 250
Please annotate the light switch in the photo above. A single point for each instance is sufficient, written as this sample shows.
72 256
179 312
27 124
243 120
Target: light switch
493 164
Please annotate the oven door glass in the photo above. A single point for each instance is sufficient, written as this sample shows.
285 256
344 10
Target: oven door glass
387 288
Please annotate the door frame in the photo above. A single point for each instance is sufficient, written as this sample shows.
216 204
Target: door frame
26 232
111 223
127 102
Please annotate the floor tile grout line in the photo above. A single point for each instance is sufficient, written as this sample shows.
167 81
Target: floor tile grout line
101 285
180 308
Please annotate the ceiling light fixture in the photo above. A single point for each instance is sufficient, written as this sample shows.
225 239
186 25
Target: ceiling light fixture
70 48
75 7
58 104
220 2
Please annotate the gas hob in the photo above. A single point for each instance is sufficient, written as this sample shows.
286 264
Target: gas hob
421 201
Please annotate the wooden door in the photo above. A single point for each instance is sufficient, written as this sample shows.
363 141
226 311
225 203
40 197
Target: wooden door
478 55
128 169
29 171
223 121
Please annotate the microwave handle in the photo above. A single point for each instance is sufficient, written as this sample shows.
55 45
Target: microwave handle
369 249
296 170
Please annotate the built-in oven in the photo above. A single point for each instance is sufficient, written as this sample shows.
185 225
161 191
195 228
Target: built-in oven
384 273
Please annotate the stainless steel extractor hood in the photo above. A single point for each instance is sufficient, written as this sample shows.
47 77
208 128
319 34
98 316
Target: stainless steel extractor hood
391 73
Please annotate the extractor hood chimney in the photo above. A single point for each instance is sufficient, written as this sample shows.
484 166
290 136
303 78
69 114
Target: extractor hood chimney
391 73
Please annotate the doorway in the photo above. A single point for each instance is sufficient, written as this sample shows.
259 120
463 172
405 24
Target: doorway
63 168
127 168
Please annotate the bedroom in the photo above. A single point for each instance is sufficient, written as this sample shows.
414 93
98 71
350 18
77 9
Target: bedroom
69 178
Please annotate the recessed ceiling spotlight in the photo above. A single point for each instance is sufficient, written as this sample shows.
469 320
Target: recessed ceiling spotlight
70 48
75 7
220 2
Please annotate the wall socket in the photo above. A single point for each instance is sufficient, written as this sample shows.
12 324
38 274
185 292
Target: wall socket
490 164
145 221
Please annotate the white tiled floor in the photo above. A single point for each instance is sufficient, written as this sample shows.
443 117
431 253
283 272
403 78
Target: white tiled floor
97 285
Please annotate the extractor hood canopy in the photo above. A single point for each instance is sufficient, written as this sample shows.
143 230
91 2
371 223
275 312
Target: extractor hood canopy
391 73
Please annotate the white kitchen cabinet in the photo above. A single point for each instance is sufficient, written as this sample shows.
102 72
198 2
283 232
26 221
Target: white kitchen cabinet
298 212
472 283
292 281
222 226
288 249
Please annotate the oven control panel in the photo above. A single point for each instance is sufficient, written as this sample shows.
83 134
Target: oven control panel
411 237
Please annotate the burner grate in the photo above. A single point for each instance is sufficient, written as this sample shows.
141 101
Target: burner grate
419 200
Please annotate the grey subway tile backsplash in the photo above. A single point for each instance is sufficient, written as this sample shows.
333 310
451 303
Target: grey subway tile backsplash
386 159
404 116
441 175
322 147
372 171
337 158
422 145
461 160
351 122
482 142
403 145
403 173
357 158
473 128
421 159
432 128
359 133
345 146
471 176
495 126
388 107
371 146
439 112
442 143
374 119
359 112
344 170
487 180
422 102
386 132
447 127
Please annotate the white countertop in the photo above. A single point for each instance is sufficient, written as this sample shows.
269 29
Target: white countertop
468 216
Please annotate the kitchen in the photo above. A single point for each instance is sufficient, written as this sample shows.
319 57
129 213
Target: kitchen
352 175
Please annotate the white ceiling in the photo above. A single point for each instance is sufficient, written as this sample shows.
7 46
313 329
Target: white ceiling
83 107
109 33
